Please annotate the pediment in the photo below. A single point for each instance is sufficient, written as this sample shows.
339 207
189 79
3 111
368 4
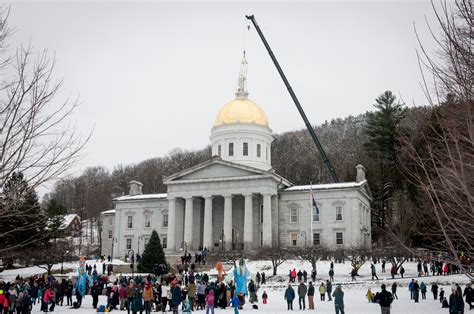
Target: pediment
215 169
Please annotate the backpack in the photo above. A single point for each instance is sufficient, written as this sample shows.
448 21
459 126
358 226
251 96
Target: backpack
385 299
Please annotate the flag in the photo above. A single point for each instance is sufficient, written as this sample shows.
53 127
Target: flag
314 205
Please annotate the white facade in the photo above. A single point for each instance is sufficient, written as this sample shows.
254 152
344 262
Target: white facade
107 231
236 200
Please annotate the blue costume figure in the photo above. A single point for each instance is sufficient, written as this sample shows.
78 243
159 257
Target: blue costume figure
82 278
235 304
241 275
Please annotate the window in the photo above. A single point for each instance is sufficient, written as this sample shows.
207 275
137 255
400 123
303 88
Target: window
293 239
293 215
219 150
339 213
147 221
315 214
129 221
110 234
164 242
246 149
110 221
261 214
316 238
165 220
261 238
339 238
129 244
259 150
231 149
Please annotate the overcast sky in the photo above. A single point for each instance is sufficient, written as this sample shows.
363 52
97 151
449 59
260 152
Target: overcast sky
152 76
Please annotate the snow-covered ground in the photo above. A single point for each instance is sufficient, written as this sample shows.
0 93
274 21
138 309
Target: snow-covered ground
11 274
354 292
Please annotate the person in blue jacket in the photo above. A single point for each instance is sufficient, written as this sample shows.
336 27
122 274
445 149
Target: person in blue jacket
235 304
289 296
175 297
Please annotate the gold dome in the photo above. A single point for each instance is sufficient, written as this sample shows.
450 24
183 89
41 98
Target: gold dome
241 110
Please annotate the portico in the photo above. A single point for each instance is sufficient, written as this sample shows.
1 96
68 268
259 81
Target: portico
223 212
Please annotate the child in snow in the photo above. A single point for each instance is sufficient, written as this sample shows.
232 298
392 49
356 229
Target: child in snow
264 297
235 304
369 295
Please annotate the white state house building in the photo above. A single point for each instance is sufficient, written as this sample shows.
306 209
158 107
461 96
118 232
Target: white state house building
236 200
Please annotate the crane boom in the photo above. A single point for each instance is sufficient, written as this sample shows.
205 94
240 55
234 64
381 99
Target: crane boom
295 100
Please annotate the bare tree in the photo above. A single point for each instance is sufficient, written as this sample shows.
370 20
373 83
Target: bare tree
439 160
396 255
312 254
357 256
37 137
275 253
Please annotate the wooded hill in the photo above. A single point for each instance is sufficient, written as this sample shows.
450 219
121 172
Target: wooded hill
294 156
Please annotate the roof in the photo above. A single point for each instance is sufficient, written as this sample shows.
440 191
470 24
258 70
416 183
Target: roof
328 186
141 197
219 160
110 211
67 219
241 110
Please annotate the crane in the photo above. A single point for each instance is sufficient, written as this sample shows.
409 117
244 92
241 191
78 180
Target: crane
326 160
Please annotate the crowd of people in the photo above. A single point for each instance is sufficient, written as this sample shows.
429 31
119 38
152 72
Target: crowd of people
186 290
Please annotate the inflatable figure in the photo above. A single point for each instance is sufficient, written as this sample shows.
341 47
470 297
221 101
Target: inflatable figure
241 275
220 271
82 278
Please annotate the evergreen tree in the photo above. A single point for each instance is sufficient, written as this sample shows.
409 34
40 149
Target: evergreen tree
153 254
383 132
383 127
23 224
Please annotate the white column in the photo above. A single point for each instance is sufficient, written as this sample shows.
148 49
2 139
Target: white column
267 220
171 241
207 237
248 222
228 221
188 222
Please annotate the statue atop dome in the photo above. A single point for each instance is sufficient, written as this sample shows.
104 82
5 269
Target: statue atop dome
241 92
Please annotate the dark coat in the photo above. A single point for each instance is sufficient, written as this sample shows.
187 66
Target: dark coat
289 294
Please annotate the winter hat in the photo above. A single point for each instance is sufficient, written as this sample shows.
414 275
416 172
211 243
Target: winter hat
1 291
383 287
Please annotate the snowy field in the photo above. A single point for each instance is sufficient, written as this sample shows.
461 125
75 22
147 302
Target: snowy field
354 292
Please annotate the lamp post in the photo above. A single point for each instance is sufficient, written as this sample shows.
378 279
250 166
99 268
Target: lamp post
131 255
114 240
62 261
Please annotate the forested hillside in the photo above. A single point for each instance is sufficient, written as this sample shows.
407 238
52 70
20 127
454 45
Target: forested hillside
294 156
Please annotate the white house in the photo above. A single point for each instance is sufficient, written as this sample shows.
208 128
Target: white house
236 200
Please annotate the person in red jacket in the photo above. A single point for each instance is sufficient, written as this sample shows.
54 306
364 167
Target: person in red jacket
123 296
293 274
47 296
3 302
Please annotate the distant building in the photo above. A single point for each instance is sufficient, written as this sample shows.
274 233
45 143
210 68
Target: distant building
107 236
71 224
236 200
